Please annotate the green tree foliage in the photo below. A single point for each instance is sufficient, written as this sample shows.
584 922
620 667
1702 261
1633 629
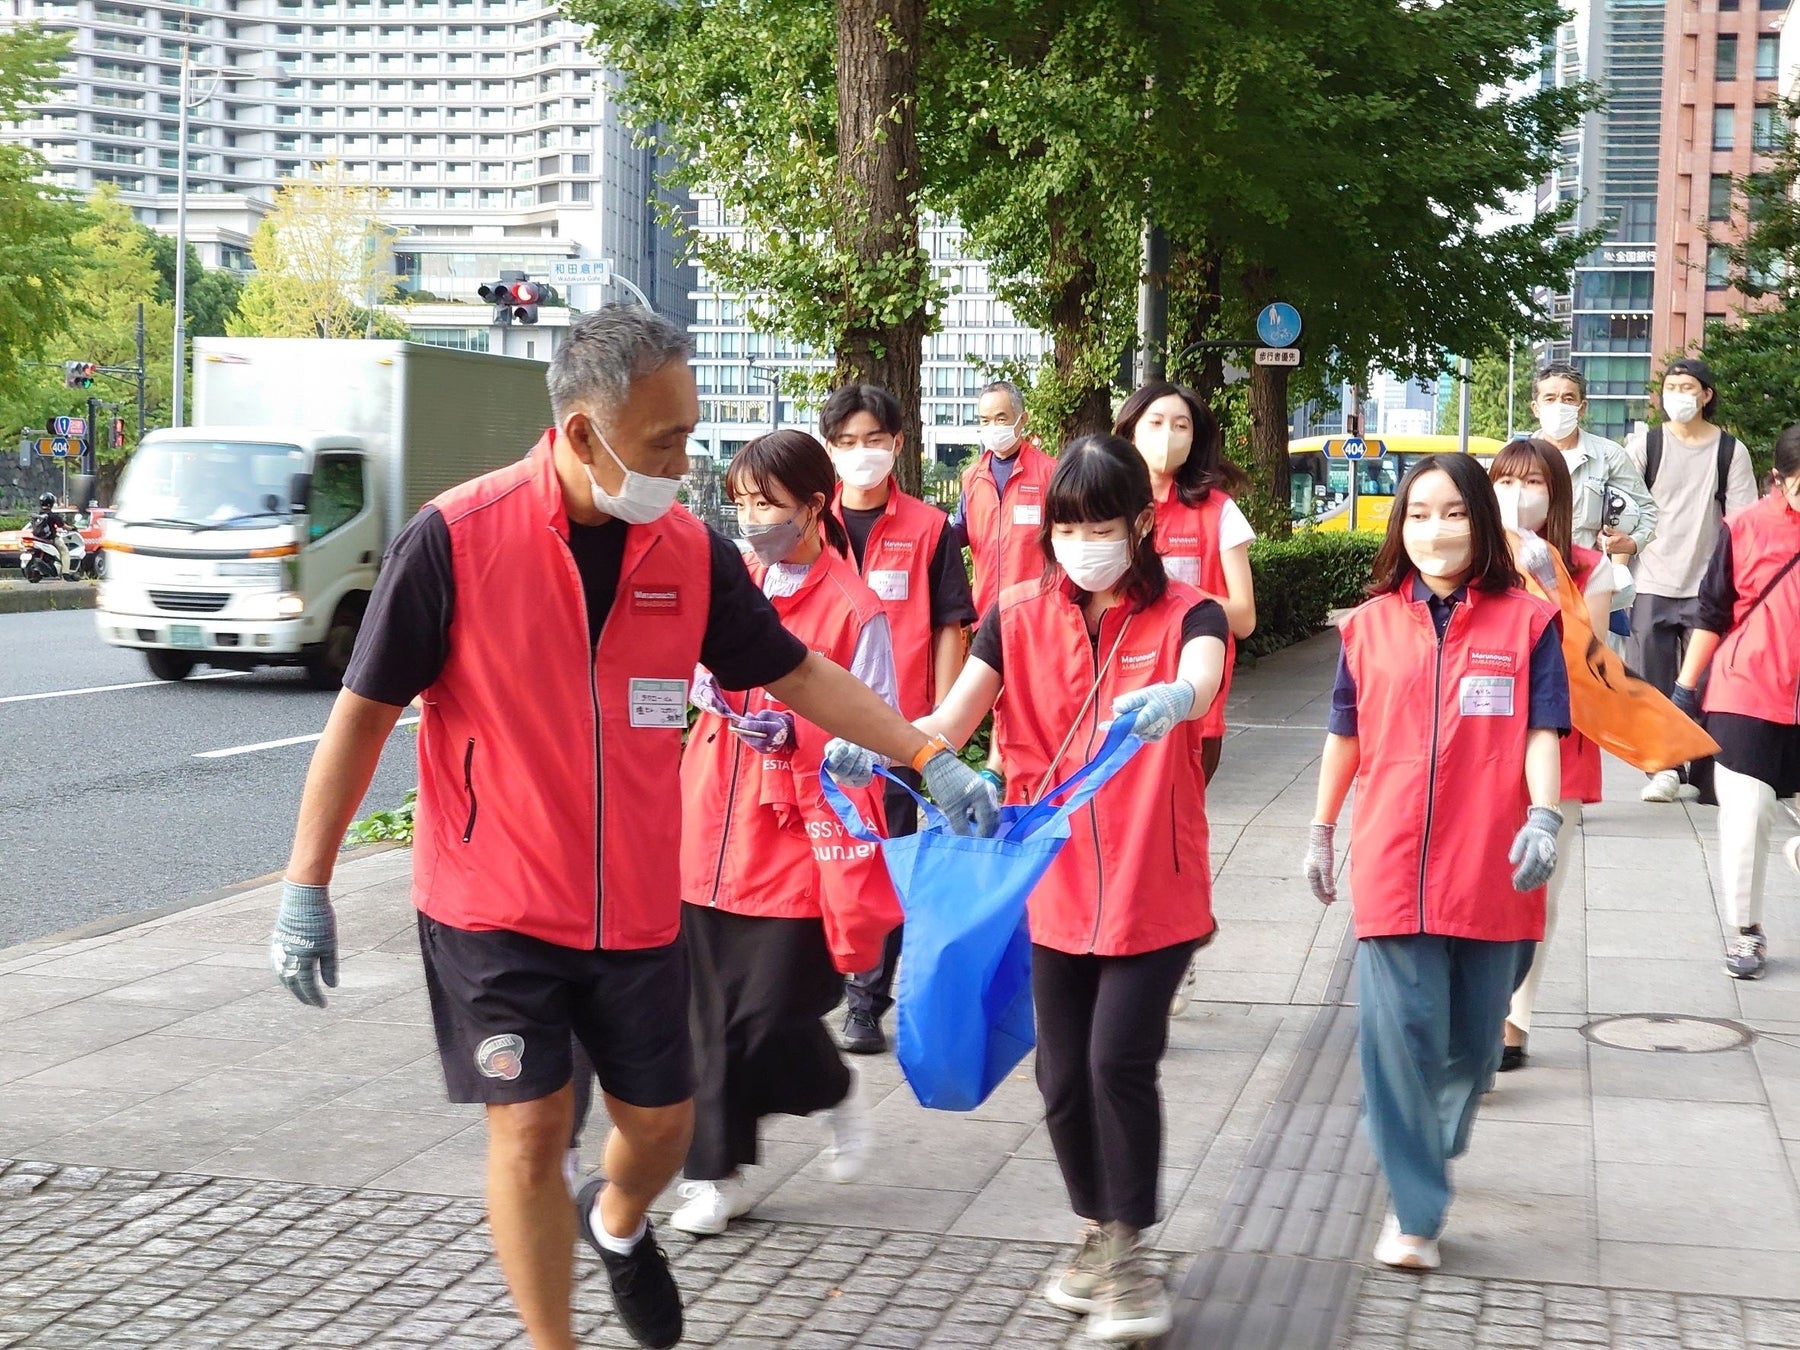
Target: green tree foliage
324 263
1487 394
212 293
40 260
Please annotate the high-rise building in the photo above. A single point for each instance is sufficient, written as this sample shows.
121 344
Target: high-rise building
736 365
1721 119
1608 167
495 136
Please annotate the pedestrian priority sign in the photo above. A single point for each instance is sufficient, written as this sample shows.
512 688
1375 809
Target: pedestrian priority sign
1277 356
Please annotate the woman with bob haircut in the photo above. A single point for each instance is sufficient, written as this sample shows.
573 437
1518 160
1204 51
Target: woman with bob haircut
780 904
1450 700
1536 493
1127 901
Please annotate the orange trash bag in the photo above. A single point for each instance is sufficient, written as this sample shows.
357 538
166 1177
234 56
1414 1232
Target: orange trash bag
1607 703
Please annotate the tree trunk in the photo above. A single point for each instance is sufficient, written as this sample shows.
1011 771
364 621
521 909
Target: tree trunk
1074 305
878 168
1269 448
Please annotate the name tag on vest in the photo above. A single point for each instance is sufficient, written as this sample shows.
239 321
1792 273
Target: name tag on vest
1183 569
1487 696
1028 515
890 585
658 703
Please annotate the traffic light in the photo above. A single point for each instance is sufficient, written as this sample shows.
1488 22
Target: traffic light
78 374
118 433
499 295
525 298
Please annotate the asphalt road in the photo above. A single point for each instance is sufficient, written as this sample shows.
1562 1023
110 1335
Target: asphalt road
109 806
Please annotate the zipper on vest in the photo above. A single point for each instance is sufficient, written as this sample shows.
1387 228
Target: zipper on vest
1093 813
1437 717
469 787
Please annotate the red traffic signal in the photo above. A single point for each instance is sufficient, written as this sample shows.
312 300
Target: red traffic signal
526 296
118 433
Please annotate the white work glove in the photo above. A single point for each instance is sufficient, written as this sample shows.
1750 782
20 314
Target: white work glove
1321 865
965 797
1158 706
852 765
1533 852
303 947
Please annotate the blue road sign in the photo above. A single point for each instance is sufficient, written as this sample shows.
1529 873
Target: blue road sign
1278 325
1354 447
59 447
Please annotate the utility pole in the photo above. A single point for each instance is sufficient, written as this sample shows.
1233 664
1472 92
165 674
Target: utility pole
1153 305
141 374
1462 405
177 410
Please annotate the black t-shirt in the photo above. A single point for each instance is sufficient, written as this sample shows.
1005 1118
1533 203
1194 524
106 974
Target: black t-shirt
405 637
1205 619
952 606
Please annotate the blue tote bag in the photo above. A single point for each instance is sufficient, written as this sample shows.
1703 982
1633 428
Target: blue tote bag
964 993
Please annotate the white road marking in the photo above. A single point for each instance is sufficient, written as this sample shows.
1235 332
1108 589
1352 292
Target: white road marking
276 745
114 688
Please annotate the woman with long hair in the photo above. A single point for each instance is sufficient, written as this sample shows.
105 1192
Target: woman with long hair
1450 700
780 904
1536 495
1129 898
1745 651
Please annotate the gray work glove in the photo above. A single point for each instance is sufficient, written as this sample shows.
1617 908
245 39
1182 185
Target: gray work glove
852 765
303 947
1687 700
1321 865
1158 707
1533 852
963 795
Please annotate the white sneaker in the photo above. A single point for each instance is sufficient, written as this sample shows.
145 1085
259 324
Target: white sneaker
1184 995
851 1137
1664 786
1394 1248
711 1206
1791 850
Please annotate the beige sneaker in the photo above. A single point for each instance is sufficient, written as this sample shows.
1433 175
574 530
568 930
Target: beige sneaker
1075 1289
1396 1249
1133 1304
1664 786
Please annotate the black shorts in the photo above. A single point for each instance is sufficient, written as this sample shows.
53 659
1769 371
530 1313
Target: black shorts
1769 751
506 1008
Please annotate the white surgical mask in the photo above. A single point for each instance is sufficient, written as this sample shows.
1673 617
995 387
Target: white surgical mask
1161 452
1681 407
863 466
1093 564
998 438
1559 419
1438 548
1522 506
641 498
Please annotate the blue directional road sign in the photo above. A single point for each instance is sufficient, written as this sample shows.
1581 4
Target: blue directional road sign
1278 325
1354 447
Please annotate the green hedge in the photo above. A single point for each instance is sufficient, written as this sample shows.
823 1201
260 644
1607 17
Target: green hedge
1302 578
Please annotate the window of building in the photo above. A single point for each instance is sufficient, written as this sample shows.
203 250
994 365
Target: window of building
1718 198
458 339
1768 57
581 192
1725 58
1772 4
1765 127
581 163
1718 268
1724 127
1728 6
548 193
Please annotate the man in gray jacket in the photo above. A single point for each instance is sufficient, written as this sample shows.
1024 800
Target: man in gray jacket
1599 467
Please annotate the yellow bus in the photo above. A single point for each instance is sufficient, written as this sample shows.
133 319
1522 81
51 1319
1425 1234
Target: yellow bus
1320 486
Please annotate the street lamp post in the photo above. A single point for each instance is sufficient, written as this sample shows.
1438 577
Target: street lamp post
190 99
774 379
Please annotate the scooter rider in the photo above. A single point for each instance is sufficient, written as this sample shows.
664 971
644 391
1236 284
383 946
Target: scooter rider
47 525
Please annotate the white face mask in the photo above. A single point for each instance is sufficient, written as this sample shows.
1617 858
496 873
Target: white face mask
1681 407
1093 564
1523 506
1162 450
998 438
641 498
1559 419
864 466
1438 548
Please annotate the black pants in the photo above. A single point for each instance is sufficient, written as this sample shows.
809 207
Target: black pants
871 990
761 987
1102 1027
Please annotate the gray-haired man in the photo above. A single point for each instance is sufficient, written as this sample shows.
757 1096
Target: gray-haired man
551 615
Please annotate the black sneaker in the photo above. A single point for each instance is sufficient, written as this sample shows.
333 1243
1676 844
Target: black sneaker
1746 957
863 1034
1511 1057
643 1290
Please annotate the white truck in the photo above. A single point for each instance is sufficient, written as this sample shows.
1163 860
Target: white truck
253 537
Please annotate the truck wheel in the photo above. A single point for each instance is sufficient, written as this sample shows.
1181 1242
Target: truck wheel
169 665
98 565
326 663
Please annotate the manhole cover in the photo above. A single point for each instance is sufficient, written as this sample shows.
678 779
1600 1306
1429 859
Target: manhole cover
1669 1033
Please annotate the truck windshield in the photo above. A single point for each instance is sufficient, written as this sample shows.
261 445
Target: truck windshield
209 484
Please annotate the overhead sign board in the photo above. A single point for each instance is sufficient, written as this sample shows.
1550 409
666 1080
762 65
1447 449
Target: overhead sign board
61 447
1277 356
577 271
1278 325
1354 447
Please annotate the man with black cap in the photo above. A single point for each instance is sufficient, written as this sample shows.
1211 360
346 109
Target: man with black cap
1698 474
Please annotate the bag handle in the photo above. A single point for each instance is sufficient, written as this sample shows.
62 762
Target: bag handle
1114 753
1081 712
1769 590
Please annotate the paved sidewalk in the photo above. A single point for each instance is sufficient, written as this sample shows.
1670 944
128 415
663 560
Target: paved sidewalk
203 1162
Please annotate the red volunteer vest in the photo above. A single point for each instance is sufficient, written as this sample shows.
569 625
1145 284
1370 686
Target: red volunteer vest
1187 538
897 568
1003 526
1756 671
1135 875
1440 791
1580 756
757 837
549 802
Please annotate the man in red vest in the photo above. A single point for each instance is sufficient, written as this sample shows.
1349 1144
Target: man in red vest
1002 502
551 615
905 552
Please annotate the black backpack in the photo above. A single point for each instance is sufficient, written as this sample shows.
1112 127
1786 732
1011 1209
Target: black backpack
1653 444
